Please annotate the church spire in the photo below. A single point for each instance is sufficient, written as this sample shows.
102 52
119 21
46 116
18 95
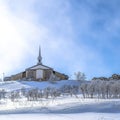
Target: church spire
39 56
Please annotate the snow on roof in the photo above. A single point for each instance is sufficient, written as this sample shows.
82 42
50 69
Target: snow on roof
39 66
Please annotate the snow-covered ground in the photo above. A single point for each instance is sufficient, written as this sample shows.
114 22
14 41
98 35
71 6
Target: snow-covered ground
65 109
83 116
60 108
16 85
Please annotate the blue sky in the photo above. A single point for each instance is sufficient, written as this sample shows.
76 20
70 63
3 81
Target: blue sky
75 35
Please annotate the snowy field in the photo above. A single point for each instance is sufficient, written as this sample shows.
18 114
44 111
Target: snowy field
83 116
59 108
62 108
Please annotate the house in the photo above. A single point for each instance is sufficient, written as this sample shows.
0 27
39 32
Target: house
38 72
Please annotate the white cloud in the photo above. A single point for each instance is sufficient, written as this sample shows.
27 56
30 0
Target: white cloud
23 29
15 35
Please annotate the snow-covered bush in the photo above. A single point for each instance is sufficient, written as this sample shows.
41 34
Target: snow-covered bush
101 89
80 76
84 89
33 94
69 90
53 78
2 94
14 95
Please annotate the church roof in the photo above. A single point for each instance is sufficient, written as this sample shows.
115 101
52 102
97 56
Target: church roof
39 66
39 56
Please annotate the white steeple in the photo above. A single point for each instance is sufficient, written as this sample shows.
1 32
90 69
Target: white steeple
39 56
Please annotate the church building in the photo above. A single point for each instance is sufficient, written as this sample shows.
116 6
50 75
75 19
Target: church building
38 72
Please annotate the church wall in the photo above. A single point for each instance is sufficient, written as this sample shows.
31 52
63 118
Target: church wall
24 74
39 74
47 74
61 76
43 75
30 74
16 77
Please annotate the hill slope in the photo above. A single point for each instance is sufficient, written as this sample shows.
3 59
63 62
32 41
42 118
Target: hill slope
17 85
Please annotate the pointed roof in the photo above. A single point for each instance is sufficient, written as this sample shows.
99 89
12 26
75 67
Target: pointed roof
39 57
39 64
43 67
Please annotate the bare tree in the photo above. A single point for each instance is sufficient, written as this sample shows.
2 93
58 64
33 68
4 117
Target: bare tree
80 76
53 78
